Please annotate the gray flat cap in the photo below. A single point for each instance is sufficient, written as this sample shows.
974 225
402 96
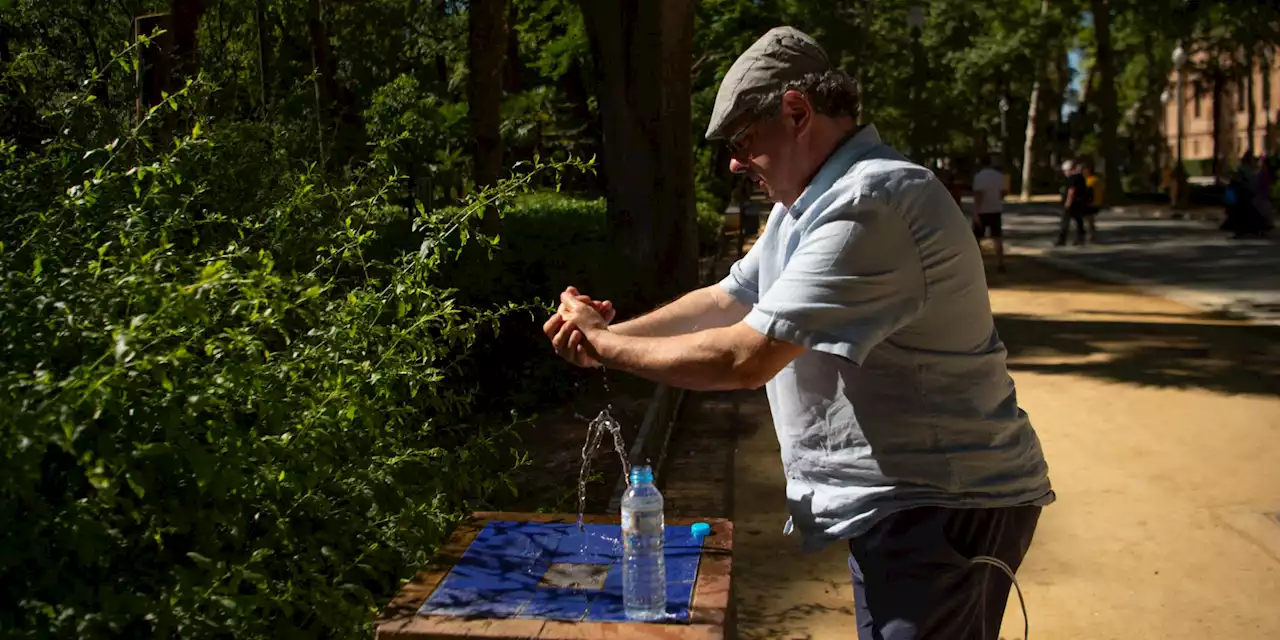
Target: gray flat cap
783 55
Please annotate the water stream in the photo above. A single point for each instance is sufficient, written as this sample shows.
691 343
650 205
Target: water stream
595 434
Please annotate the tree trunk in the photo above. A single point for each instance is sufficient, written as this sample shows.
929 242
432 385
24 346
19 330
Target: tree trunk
1081 123
1252 116
1033 111
6 56
441 64
323 82
101 87
154 61
1155 114
260 17
643 54
1058 121
1108 118
186 27
513 71
487 40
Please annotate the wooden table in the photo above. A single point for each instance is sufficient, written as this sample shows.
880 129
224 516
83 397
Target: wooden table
708 611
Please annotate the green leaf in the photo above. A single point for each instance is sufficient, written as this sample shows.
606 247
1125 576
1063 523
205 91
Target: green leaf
200 559
133 484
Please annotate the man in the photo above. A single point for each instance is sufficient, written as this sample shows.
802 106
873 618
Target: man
1075 203
863 310
989 189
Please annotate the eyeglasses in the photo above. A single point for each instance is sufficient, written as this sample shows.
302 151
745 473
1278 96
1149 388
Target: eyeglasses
736 148
737 145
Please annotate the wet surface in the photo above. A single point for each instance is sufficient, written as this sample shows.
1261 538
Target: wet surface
556 571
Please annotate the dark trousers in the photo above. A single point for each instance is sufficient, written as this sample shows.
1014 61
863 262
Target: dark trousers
1067 218
913 579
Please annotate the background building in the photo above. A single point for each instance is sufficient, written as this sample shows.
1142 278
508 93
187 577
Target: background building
1222 92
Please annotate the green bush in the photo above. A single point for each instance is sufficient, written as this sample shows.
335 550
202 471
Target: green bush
232 409
710 227
550 240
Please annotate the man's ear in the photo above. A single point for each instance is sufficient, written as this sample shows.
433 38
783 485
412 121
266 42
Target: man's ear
797 109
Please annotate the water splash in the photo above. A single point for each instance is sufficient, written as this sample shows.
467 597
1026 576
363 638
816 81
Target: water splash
595 433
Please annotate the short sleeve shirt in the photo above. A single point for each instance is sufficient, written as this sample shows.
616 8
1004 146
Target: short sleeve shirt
902 398
990 183
1082 202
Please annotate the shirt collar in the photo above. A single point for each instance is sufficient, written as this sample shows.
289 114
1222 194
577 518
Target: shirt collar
836 165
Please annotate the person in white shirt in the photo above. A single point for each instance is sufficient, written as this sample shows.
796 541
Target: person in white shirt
988 208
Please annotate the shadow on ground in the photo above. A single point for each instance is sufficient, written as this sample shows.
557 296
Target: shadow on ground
1222 358
1102 331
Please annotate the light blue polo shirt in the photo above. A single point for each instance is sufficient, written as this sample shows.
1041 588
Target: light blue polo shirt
902 398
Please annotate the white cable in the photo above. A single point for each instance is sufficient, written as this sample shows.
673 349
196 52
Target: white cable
999 564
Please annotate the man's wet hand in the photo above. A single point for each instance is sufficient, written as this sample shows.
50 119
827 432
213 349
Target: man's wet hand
566 335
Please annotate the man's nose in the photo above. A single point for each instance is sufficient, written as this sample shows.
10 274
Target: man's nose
736 166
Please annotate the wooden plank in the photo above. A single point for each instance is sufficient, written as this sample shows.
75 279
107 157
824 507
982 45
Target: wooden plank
155 64
443 627
403 608
708 609
712 590
555 630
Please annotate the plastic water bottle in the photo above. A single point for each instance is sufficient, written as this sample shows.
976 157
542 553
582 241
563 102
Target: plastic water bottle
644 574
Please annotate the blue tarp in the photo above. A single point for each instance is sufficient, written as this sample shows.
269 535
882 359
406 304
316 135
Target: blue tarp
499 575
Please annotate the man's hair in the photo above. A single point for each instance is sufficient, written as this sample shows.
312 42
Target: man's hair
832 93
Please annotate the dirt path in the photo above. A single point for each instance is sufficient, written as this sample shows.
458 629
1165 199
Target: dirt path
1162 430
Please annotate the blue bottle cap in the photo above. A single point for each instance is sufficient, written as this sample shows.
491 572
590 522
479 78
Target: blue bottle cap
641 474
700 529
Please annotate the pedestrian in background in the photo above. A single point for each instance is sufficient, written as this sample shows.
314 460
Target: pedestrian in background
1095 185
1262 194
989 190
1244 218
1075 202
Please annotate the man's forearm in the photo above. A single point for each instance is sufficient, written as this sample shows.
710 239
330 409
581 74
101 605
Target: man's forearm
705 308
702 360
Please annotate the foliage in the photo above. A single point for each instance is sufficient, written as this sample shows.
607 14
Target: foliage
710 224
232 410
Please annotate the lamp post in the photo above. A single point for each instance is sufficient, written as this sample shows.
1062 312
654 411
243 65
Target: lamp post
1177 191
